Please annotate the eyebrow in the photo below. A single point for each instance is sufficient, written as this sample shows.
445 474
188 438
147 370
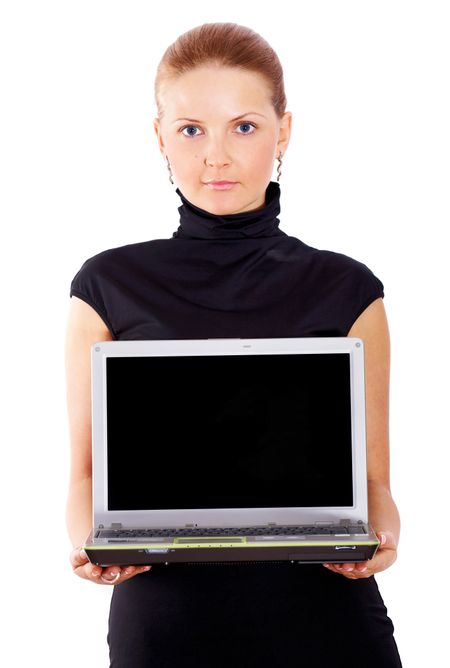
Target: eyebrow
195 120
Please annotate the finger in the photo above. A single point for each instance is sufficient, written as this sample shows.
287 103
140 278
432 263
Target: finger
351 570
359 567
110 578
359 571
347 567
111 574
332 567
382 538
93 571
129 571
88 571
125 574
78 557
362 567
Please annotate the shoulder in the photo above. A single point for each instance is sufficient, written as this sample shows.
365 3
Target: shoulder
111 255
352 275
345 265
101 278
340 269
103 263
94 262
345 286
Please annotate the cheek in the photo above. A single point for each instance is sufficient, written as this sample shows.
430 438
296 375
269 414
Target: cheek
260 154
185 161
185 156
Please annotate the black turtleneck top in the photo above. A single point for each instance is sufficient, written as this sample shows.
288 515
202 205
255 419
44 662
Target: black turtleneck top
236 275
225 276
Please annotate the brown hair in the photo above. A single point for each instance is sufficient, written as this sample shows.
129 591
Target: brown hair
226 45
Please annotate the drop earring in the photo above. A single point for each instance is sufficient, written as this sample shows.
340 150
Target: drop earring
279 166
170 171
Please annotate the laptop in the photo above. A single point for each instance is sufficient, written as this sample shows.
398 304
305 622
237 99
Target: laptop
236 449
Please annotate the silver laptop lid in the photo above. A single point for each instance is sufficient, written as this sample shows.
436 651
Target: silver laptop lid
228 432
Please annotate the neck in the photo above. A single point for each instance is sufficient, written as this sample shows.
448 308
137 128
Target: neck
196 223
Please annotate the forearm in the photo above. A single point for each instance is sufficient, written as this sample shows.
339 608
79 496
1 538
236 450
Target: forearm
383 513
79 510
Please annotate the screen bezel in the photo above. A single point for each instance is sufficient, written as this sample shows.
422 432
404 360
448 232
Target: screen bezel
225 517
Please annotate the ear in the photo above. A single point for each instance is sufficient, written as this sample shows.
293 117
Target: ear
284 134
157 127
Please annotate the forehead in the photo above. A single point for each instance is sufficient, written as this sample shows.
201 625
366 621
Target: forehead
216 91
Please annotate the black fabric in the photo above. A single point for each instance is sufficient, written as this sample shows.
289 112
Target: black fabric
237 275
263 615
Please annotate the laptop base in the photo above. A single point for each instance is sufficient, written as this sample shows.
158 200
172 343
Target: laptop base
139 555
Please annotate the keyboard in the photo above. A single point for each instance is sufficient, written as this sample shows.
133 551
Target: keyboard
290 530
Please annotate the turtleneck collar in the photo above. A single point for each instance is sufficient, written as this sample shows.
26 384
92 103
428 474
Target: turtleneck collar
196 223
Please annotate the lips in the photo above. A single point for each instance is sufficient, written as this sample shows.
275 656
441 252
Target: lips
220 185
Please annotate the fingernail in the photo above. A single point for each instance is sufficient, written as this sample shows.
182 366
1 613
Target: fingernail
83 554
363 569
383 538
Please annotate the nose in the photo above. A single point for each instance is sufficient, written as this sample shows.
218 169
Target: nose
217 154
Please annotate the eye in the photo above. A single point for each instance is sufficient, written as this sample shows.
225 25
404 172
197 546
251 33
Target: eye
248 125
185 128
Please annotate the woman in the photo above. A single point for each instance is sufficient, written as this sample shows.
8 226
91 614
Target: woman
229 271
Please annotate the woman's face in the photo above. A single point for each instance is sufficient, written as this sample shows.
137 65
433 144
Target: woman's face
216 147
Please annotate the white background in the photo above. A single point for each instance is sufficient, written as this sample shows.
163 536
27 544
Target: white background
366 174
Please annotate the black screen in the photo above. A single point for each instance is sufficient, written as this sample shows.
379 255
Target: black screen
229 431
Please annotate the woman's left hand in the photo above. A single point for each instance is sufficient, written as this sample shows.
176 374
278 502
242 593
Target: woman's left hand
384 557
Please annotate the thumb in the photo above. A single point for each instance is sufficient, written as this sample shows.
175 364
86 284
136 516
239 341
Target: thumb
79 557
382 538
387 539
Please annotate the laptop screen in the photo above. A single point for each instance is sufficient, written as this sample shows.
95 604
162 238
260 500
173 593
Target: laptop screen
229 431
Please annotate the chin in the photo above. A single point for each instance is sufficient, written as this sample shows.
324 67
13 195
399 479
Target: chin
225 207
222 201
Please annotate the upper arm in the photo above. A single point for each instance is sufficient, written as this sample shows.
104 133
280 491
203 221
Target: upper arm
372 327
84 327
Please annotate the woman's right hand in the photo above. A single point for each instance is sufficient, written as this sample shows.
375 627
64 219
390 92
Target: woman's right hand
108 575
